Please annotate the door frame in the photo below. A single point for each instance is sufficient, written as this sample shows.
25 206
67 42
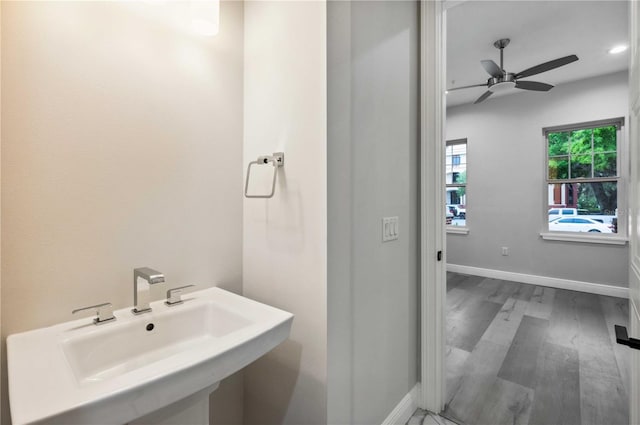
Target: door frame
634 205
432 203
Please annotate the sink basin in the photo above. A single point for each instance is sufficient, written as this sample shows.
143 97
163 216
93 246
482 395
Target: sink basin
79 373
111 351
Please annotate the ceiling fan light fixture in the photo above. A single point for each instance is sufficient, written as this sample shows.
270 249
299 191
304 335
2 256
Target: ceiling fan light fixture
502 86
618 49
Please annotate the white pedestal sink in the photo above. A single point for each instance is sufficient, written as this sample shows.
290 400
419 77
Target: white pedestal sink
155 368
193 410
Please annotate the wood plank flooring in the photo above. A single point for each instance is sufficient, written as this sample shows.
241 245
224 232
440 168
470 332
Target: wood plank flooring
524 354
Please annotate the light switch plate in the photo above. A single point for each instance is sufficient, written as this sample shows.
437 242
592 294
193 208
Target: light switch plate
390 228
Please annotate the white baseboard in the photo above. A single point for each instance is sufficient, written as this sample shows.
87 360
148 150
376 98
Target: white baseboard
552 282
404 410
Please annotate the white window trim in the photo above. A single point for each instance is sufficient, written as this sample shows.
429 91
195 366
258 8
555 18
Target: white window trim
584 238
450 229
623 177
458 230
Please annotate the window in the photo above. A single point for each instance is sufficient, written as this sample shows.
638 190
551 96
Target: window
583 177
456 182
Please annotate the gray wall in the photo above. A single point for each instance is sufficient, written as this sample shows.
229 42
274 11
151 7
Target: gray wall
506 182
373 162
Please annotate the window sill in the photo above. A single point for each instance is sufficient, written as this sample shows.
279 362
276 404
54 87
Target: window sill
458 230
569 237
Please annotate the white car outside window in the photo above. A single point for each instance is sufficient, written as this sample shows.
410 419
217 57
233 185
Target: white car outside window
576 224
561 212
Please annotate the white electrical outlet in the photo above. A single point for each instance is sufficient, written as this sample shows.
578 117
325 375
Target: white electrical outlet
505 250
390 228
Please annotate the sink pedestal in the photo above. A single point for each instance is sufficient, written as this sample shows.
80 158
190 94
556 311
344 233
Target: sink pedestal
190 410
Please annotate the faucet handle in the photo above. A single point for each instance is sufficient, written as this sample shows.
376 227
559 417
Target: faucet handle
104 313
173 295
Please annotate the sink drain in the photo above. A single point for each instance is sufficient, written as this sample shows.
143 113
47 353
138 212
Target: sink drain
150 326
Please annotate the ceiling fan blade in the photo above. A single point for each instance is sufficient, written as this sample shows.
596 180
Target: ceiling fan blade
547 66
466 87
492 68
533 85
483 97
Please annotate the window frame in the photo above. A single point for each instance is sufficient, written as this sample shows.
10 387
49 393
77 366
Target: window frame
621 178
450 228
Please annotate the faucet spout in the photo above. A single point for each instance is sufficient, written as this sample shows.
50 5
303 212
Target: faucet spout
143 278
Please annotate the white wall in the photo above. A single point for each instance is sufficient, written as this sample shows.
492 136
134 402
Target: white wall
121 148
373 171
506 186
284 244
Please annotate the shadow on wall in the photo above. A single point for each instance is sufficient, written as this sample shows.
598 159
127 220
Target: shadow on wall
281 366
286 220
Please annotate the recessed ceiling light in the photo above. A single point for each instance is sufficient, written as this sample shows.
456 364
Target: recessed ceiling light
618 49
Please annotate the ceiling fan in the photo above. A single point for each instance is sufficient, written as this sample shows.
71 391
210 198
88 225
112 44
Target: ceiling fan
501 79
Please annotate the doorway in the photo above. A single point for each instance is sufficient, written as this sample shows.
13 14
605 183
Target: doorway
434 396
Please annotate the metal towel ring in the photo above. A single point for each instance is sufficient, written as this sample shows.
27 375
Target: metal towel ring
277 160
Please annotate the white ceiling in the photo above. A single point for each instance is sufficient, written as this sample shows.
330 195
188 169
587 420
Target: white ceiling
540 31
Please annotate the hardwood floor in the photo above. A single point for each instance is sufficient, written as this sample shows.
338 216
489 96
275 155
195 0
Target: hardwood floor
523 354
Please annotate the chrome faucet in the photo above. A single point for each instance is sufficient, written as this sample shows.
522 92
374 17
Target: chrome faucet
141 290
